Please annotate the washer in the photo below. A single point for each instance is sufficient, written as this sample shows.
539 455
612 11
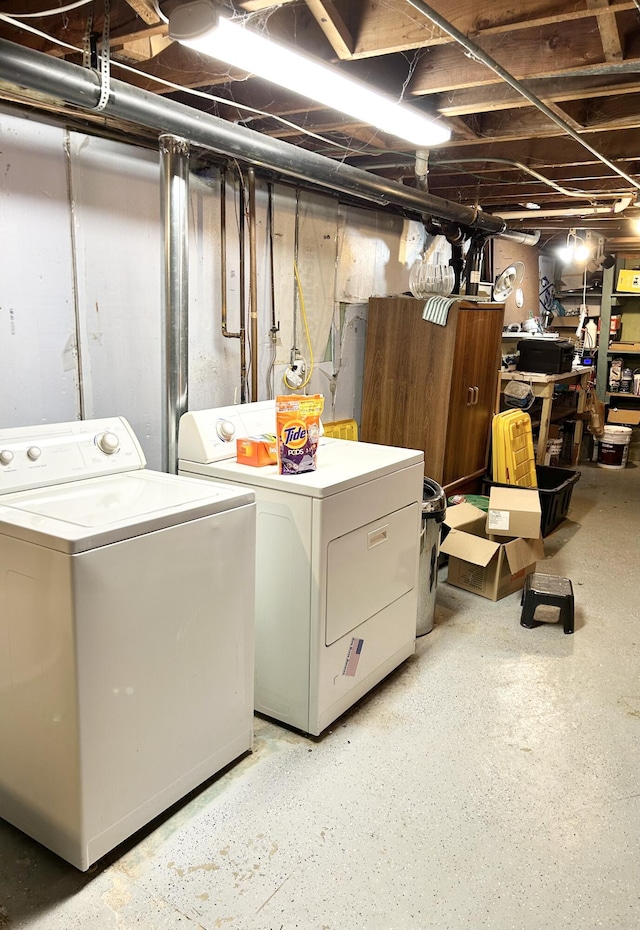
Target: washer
337 562
126 634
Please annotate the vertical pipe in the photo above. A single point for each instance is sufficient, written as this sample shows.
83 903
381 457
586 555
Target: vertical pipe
243 299
226 332
253 285
174 176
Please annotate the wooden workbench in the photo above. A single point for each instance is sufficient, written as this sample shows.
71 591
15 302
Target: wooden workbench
543 386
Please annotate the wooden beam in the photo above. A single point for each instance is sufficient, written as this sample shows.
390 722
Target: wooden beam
145 9
394 27
527 54
608 29
552 90
333 26
254 6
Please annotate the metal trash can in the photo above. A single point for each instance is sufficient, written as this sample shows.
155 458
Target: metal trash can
434 508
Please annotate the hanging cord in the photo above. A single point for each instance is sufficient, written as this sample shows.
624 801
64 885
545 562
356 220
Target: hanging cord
303 314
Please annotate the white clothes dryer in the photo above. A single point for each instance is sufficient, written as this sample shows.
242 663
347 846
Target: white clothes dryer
126 634
337 562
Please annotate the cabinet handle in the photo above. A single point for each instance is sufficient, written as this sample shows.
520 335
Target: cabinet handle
476 392
469 397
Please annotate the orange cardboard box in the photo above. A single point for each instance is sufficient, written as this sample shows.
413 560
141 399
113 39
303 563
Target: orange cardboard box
257 451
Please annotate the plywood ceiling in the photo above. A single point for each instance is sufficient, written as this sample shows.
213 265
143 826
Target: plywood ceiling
580 58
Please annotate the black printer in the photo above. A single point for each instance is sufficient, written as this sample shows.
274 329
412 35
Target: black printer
545 356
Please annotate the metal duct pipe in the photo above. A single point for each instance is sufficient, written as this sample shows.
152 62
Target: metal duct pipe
576 211
79 86
174 178
253 285
478 53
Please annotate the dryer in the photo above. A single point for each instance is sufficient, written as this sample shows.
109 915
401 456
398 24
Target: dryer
337 562
126 634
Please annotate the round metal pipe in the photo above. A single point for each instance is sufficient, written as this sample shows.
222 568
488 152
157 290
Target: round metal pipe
78 86
253 284
478 53
174 179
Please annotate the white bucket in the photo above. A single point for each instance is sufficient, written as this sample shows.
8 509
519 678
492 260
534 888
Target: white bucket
613 447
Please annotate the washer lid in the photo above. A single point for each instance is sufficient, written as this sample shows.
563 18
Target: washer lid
82 515
342 464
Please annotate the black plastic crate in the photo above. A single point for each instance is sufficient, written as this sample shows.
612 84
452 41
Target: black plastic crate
555 486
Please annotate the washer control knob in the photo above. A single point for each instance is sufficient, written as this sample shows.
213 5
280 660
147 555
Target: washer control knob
34 453
225 430
6 457
108 443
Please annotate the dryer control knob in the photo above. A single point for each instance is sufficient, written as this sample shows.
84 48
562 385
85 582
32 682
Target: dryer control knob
6 457
34 453
225 430
108 443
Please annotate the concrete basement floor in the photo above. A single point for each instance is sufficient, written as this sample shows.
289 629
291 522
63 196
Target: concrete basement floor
491 782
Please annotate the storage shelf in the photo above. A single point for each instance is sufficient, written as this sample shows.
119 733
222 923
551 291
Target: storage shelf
623 351
626 394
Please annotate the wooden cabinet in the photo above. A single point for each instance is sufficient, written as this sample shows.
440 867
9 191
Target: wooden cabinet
433 387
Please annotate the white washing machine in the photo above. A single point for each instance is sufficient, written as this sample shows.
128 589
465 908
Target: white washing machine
337 562
126 634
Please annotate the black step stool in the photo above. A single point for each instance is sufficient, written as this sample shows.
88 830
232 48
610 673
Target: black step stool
547 589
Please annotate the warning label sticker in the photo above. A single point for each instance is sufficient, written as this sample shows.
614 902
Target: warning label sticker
353 657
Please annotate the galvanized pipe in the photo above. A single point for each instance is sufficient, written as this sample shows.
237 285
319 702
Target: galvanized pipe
78 86
253 285
174 186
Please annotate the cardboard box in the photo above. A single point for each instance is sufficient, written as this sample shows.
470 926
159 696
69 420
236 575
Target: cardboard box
514 512
623 347
488 567
257 451
620 415
629 280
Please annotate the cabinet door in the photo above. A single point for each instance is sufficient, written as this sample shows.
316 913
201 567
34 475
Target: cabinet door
473 391
408 364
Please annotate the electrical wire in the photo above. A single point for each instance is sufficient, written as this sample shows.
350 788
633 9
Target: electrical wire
192 91
303 314
59 9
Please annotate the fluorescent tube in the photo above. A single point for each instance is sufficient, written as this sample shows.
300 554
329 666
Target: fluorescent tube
198 26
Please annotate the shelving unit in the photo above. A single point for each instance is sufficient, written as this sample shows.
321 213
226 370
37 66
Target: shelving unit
543 387
623 407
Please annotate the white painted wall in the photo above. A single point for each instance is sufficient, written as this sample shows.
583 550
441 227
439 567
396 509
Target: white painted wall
81 328
38 365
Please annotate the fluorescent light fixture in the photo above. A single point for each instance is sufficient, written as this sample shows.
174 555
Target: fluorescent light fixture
198 25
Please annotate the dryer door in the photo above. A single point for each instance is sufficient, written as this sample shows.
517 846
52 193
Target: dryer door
369 568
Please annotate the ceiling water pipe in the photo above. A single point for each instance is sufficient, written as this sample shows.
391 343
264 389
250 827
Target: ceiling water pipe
73 84
476 52
226 332
174 185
